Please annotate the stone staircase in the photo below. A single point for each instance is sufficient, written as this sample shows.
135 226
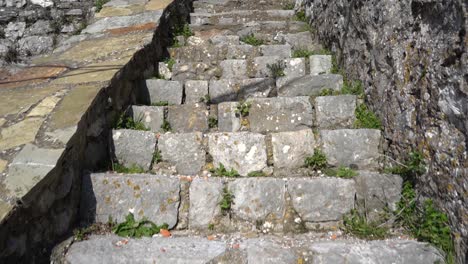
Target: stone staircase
217 103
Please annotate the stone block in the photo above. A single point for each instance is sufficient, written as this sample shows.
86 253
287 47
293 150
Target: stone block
332 112
322 199
261 250
242 151
280 114
205 196
301 40
260 66
282 51
236 69
258 199
241 52
225 40
162 90
291 148
188 118
195 90
185 151
233 89
320 64
107 195
228 120
352 147
295 68
311 85
223 90
151 116
134 147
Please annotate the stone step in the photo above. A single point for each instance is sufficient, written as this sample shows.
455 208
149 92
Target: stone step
245 152
259 204
239 17
196 249
225 5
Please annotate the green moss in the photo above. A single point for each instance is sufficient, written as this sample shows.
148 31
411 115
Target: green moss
252 40
301 16
341 172
256 174
99 4
359 226
302 53
134 169
365 118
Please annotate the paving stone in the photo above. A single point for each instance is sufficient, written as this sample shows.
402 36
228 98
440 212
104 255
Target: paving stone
200 53
195 71
234 69
109 23
180 250
228 120
301 40
188 118
133 147
62 135
291 148
107 195
282 51
261 250
377 191
20 133
195 90
352 147
295 68
242 151
260 65
185 151
280 114
242 52
385 252
151 116
258 199
162 90
322 199
256 88
309 85
205 196
233 89
3 165
320 64
44 107
29 167
2 121
223 90
332 112
225 40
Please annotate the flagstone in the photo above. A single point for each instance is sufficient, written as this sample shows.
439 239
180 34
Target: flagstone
20 133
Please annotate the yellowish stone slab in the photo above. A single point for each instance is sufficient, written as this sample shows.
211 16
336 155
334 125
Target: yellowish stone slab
44 107
17 100
73 106
3 165
5 208
2 121
20 133
120 11
157 4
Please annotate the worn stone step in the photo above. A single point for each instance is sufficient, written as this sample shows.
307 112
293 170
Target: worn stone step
310 85
239 249
225 5
236 17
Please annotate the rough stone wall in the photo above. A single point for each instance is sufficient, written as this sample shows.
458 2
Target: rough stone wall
49 212
412 57
33 27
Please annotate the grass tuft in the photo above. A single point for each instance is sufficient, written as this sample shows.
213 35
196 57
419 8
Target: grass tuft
277 69
317 161
252 40
365 118
341 172
137 229
221 171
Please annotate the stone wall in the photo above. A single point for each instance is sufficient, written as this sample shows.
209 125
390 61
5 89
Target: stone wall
49 212
33 27
412 58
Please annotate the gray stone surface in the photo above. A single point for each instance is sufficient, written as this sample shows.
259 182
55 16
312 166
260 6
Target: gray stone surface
223 90
107 195
108 23
312 85
195 71
151 116
261 250
133 147
236 69
295 68
283 51
385 252
29 167
375 191
181 250
260 65
280 114
35 45
188 118
205 196
195 90
258 199
291 148
15 30
242 151
347 147
164 70
256 87
162 90
228 120
225 40
333 112
185 151
234 89
301 40
322 199
320 64
242 52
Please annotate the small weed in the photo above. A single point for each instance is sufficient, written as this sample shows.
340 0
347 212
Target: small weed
158 77
243 108
302 53
212 122
328 92
134 169
301 16
252 40
129 123
205 99
211 227
341 172
365 118
288 6
137 229
176 43
413 166
160 103
354 88
80 234
316 161
226 202
157 158
358 225
170 62
183 30
99 4
256 174
166 126
277 69
221 171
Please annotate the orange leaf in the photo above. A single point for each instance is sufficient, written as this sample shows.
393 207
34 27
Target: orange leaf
165 233
210 237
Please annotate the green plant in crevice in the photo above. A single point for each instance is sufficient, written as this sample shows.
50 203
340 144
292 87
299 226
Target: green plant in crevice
301 16
358 225
212 122
277 69
226 201
99 4
365 118
205 99
137 229
183 30
211 227
412 167
157 157
129 123
252 40
256 174
341 172
221 171
160 103
353 88
302 53
134 169
328 92
170 62
288 6
158 76
166 126
317 161
243 108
